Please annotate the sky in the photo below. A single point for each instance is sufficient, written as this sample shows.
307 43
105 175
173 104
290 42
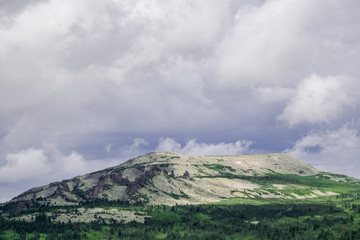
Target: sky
86 85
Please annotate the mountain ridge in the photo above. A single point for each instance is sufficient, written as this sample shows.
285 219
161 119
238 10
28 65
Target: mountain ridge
172 178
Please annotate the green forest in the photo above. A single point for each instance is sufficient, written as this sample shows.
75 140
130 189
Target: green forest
333 217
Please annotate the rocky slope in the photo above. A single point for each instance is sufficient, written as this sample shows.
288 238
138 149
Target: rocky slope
172 178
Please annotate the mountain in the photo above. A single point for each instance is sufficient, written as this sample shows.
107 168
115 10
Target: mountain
173 196
171 178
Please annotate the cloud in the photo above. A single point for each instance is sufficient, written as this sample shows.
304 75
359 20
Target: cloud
107 71
331 150
193 147
320 99
263 47
9 8
135 148
273 94
25 164
74 163
278 43
77 69
46 163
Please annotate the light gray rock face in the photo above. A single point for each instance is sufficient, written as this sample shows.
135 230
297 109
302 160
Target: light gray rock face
172 178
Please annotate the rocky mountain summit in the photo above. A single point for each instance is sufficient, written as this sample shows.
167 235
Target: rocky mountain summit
171 178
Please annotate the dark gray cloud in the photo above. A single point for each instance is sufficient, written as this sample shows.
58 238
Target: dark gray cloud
94 83
10 7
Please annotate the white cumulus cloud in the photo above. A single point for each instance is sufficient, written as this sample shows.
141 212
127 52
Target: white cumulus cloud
47 163
135 148
25 164
331 150
74 163
193 147
320 100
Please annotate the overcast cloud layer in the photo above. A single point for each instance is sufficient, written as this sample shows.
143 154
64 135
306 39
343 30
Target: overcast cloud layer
88 84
